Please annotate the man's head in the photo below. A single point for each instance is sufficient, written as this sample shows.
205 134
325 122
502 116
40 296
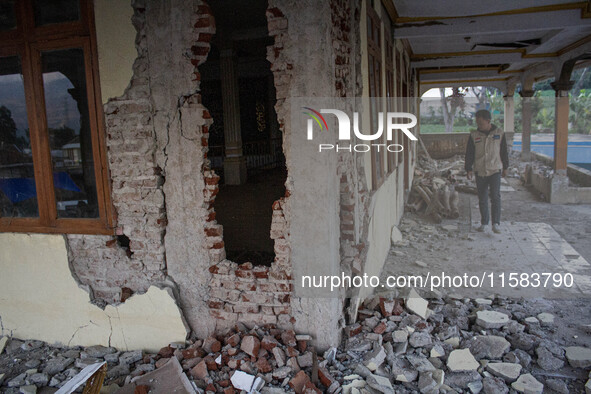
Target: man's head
483 119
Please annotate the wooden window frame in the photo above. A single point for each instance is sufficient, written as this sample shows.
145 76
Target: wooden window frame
374 52
27 42
392 157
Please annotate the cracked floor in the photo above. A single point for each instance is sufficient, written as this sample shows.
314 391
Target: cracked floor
536 237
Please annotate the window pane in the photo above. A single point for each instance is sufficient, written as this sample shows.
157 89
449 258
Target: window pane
18 195
64 82
56 11
7 15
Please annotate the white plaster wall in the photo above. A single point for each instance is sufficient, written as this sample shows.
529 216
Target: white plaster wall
39 299
385 211
115 36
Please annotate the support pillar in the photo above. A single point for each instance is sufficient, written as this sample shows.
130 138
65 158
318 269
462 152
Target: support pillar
561 127
526 116
509 120
234 160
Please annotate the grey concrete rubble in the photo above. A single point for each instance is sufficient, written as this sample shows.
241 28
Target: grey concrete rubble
496 352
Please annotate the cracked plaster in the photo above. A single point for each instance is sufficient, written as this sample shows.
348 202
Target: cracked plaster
39 298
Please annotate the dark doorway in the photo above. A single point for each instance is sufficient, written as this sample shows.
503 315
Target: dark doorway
244 210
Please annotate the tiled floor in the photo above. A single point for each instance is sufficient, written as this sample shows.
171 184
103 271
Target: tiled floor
532 252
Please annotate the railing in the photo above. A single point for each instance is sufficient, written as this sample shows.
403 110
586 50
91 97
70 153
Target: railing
259 154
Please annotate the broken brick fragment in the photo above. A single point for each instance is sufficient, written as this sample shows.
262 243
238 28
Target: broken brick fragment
288 338
263 365
353 329
200 371
380 328
210 363
211 345
233 340
143 389
166 352
302 345
310 388
298 382
250 345
268 343
325 377
291 352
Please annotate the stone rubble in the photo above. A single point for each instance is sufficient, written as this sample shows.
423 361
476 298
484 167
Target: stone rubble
391 349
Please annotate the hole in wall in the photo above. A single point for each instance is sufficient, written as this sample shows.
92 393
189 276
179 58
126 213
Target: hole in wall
245 142
124 242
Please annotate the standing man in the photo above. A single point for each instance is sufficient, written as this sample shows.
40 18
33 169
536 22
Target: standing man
487 157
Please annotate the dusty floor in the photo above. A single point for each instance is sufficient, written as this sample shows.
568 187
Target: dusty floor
454 247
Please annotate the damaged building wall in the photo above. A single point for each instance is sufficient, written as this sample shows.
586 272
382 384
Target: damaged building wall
386 203
40 299
163 188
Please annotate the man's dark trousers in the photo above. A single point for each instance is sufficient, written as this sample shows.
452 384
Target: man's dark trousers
483 185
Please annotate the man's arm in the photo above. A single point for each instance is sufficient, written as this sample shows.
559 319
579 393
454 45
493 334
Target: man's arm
469 158
504 153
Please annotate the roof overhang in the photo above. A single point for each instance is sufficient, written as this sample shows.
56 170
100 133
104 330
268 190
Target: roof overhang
504 43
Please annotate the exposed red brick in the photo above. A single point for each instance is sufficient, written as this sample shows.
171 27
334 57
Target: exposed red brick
166 352
214 269
193 352
203 9
291 351
302 345
325 377
218 245
205 37
310 388
380 328
210 388
250 345
200 371
274 13
268 343
210 363
299 382
243 274
263 365
142 389
233 340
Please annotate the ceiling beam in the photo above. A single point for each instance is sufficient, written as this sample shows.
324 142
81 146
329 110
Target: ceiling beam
584 6
477 60
483 25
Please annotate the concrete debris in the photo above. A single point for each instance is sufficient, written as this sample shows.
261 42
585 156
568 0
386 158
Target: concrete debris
380 383
547 361
491 319
507 371
242 381
578 357
462 360
546 319
460 345
528 384
3 342
416 304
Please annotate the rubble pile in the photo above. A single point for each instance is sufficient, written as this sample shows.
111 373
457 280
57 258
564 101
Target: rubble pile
397 346
433 191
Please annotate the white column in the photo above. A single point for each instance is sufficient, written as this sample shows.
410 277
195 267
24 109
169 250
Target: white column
234 161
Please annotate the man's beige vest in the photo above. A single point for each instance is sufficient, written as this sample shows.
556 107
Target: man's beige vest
487 152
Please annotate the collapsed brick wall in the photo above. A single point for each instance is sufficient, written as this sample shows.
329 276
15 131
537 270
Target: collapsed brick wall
138 200
242 292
